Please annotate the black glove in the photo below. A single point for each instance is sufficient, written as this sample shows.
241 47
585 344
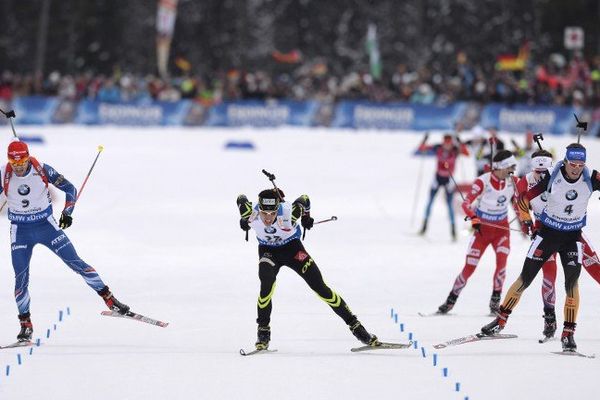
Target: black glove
65 221
244 224
307 221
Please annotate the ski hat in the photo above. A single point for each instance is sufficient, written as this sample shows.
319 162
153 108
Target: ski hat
268 200
18 151
575 152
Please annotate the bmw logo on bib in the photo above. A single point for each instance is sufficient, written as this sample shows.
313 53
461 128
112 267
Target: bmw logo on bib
501 199
571 195
23 190
270 229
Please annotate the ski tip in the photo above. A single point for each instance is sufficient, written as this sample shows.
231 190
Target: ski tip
439 346
242 352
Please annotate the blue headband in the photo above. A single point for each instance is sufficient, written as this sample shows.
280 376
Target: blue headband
576 154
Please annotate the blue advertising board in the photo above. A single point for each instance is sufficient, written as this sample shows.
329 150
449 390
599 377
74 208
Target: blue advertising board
367 115
520 117
133 113
35 110
263 113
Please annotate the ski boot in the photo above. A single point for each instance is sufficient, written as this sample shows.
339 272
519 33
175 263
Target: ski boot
263 337
567 339
359 331
497 324
112 303
495 302
448 305
26 328
549 323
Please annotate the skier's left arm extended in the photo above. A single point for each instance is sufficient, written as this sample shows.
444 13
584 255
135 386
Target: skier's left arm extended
55 178
301 210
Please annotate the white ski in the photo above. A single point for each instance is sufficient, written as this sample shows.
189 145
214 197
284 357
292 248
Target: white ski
381 346
473 338
136 317
18 344
574 354
260 351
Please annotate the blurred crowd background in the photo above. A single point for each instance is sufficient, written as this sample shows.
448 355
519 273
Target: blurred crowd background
431 51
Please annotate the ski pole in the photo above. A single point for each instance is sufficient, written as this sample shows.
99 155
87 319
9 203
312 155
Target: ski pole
419 180
333 218
500 227
100 149
10 114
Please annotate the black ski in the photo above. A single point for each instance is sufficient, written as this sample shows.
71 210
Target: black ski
473 338
381 346
26 343
574 354
136 317
258 351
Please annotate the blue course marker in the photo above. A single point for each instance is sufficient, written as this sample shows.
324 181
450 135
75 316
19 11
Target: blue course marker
38 342
410 335
19 358
401 327
7 370
68 311
416 344
445 371
396 318
30 350
48 333
458 386
60 315
434 359
423 352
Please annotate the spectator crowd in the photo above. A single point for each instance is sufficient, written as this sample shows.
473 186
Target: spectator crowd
557 81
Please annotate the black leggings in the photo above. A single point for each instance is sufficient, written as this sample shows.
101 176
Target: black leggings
545 243
293 255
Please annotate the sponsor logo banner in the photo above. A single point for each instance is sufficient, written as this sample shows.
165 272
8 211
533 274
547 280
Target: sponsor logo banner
520 117
365 115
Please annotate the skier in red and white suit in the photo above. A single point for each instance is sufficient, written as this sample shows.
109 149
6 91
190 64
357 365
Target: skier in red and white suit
495 190
541 162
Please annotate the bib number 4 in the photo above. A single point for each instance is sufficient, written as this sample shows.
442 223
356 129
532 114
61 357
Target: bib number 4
569 209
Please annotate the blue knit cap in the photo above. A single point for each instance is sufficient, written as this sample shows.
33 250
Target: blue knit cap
575 154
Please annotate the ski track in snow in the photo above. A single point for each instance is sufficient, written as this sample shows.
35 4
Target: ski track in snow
158 221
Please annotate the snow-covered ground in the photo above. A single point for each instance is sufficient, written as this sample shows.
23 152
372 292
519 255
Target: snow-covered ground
158 221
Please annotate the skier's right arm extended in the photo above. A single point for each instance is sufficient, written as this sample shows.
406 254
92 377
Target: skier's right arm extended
245 208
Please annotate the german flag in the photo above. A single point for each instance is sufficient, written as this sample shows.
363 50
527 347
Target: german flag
513 62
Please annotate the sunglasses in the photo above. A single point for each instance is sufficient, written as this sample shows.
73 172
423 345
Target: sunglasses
269 213
576 164
18 163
